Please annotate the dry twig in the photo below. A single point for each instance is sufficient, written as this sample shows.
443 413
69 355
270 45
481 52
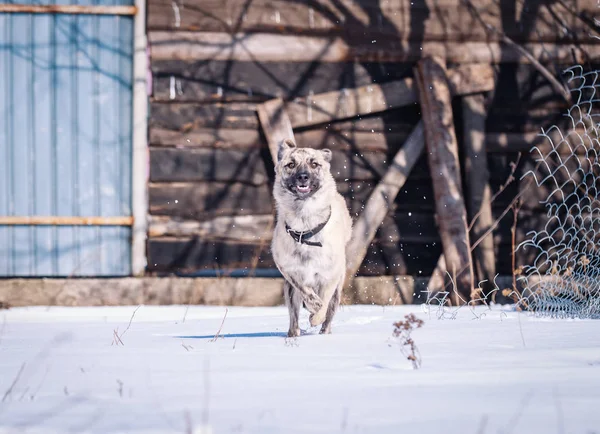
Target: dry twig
219 331
13 384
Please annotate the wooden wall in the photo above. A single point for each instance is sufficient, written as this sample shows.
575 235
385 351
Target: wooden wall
213 60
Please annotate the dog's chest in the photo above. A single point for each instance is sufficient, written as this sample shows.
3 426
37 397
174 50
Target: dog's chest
310 262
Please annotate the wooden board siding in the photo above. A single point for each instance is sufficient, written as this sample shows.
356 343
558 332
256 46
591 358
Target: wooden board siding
214 61
221 81
431 20
268 47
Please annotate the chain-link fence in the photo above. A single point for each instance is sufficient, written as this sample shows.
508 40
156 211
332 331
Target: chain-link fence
564 278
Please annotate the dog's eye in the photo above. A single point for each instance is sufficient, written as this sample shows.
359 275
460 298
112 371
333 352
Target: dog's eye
314 165
291 165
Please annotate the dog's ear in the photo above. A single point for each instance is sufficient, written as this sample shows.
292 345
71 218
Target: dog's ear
284 146
326 154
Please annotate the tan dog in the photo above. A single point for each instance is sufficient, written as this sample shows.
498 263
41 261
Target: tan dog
313 228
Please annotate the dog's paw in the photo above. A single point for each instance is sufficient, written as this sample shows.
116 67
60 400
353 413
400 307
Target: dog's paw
325 330
294 333
318 317
313 303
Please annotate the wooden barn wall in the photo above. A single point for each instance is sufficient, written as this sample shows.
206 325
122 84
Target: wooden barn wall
213 61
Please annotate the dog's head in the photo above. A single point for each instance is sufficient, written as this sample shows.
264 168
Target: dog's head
302 171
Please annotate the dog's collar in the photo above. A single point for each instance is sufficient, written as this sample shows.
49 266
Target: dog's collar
301 237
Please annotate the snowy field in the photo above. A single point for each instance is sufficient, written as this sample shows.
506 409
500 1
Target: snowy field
64 370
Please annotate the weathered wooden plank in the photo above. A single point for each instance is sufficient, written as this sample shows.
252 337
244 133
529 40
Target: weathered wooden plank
219 138
366 100
188 255
319 108
408 252
348 103
412 227
172 164
442 147
209 200
167 254
401 20
381 200
250 228
276 125
201 200
214 80
198 164
399 227
208 123
270 47
339 136
348 135
478 186
188 117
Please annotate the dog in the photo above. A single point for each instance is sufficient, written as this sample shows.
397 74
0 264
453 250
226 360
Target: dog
310 236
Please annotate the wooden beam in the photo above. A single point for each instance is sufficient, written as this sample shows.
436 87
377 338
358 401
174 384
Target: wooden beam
385 193
139 140
273 47
65 221
385 21
478 185
332 106
381 200
202 201
68 9
248 228
226 81
275 123
348 135
442 147
210 121
202 164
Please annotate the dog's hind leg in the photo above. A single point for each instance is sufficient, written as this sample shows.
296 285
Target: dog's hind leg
293 300
331 309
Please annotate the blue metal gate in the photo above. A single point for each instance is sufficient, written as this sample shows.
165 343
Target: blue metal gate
66 139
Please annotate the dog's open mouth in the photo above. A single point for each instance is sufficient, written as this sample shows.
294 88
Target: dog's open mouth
303 188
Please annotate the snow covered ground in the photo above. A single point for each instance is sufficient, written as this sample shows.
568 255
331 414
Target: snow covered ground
63 370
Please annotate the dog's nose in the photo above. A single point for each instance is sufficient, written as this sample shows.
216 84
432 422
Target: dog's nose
302 177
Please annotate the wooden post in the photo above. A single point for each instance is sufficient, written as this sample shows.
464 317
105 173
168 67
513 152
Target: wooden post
140 160
442 147
275 123
478 187
381 199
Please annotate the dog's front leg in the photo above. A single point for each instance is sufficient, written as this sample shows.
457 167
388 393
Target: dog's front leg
318 317
293 300
312 301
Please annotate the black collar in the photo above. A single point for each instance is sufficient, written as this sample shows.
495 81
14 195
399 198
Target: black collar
301 237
